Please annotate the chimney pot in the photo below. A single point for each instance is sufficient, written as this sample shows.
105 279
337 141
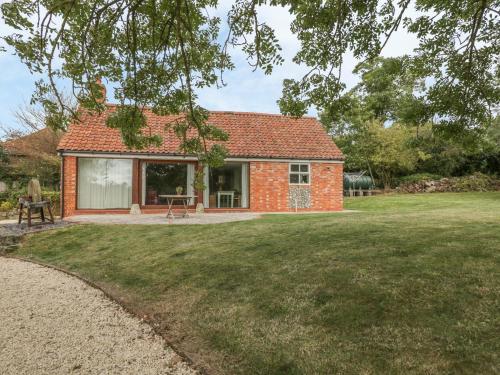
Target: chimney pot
102 99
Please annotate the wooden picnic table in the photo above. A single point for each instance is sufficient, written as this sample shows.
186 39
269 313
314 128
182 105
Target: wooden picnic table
171 198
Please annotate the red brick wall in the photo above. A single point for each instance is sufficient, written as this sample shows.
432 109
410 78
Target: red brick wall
269 186
326 186
69 188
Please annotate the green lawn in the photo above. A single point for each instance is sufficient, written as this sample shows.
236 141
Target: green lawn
407 284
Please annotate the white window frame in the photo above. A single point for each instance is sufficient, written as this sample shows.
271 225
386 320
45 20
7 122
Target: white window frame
299 173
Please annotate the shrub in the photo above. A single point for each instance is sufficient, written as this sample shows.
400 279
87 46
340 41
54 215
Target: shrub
4 196
52 196
6 206
475 182
12 196
418 177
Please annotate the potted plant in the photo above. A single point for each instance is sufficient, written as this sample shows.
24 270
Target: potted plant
179 190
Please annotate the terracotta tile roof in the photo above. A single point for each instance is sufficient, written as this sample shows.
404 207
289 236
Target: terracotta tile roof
40 141
251 135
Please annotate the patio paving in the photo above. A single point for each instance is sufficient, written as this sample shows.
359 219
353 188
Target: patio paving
212 218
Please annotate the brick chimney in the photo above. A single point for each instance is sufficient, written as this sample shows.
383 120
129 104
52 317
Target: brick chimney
103 90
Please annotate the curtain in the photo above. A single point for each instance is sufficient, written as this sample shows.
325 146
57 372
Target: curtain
143 182
190 181
104 183
206 182
244 185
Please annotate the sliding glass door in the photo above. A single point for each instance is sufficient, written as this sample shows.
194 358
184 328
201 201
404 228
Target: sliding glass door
163 178
228 186
104 183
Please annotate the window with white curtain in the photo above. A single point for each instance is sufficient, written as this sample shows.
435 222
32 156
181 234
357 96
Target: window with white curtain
104 183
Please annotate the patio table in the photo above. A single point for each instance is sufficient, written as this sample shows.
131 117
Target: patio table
171 198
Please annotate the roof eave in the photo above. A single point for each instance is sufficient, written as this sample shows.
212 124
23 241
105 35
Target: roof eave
62 152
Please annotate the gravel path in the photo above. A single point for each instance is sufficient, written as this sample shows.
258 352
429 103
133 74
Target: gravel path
52 323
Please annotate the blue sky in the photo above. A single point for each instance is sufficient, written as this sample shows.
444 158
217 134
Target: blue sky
245 91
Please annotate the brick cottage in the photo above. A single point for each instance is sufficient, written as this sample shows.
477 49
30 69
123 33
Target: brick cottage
275 164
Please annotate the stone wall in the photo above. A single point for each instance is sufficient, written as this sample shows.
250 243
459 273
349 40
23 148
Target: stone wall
299 197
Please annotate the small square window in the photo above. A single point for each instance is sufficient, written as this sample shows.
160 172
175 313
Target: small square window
299 173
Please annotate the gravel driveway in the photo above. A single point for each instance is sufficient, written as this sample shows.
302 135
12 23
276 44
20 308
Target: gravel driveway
52 323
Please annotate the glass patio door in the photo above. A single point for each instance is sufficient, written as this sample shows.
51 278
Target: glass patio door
227 186
164 178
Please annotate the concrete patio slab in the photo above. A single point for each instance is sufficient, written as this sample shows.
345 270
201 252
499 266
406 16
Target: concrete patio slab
212 218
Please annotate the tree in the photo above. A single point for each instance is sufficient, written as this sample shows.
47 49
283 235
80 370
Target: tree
388 94
459 42
387 152
33 146
381 97
31 118
4 164
452 156
159 52
390 152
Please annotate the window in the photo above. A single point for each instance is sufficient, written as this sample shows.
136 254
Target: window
299 173
228 186
163 179
104 183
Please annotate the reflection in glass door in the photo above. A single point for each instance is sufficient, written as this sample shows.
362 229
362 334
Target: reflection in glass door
164 178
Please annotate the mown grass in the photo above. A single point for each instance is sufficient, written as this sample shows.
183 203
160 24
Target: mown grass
408 284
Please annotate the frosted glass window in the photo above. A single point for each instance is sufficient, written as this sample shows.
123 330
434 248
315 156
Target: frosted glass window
104 183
